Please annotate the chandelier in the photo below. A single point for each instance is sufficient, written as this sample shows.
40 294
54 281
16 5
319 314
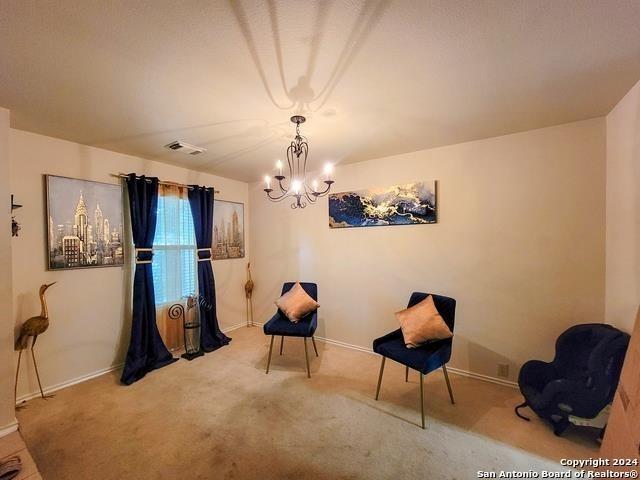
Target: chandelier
297 186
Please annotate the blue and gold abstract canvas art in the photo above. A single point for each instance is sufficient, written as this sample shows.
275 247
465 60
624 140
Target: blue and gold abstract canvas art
408 204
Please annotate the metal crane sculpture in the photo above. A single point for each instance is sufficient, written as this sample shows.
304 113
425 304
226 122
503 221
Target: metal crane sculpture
32 328
248 291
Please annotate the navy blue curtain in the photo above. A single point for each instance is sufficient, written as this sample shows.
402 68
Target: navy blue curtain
201 201
146 351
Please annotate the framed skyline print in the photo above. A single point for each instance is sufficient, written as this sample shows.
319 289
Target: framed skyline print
84 223
407 204
228 230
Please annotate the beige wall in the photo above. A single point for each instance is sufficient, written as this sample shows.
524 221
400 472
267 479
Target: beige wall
519 244
623 211
89 329
7 416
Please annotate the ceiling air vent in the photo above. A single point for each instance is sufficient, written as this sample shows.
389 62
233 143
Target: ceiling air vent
185 148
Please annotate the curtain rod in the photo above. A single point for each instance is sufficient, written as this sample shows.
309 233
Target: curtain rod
176 184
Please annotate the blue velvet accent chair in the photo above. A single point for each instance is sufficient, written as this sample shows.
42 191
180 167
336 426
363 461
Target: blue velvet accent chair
281 326
582 378
426 358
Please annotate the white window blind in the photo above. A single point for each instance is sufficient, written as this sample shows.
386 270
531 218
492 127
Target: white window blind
174 249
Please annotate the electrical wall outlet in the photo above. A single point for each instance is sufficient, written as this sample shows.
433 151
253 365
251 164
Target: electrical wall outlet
503 370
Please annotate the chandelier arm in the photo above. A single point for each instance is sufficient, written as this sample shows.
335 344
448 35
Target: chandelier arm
282 189
312 199
325 191
304 149
279 198
304 146
290 151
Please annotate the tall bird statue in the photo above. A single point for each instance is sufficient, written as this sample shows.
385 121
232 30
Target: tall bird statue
32 328
248 291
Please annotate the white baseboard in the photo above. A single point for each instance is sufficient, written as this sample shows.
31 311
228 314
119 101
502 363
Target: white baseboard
234 327
345 345
484 378
12 427
68 383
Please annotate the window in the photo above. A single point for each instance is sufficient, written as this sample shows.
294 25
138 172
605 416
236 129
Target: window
174 247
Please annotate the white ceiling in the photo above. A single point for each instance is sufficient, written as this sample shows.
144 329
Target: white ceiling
375 78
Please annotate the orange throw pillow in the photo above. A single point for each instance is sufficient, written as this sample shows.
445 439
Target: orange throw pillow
422 323
296 303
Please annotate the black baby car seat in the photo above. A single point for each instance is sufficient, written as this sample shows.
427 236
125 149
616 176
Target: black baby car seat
582 378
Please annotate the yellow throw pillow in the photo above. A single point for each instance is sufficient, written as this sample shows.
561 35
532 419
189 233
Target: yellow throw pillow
296 303
422 323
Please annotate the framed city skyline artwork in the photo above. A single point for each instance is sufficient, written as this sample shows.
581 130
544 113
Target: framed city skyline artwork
84 224
406 204
228 230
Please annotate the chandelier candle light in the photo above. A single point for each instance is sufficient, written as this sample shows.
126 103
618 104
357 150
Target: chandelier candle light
297 186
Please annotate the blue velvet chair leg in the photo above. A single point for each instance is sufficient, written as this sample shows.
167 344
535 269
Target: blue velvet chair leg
406 374
281 344
306 357
313 340
446 378
380 377
270 350
422 397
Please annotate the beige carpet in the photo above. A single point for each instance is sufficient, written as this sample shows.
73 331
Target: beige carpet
220 416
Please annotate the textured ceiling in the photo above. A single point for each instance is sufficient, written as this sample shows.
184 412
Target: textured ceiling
375 78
